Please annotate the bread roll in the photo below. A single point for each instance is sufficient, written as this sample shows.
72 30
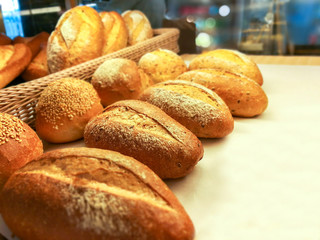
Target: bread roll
197 108
82 193
38 67
64 108
143 131
162 65
19 144
244 97
115 32
228 60
119 79
4 39
138 25
77 38
14 59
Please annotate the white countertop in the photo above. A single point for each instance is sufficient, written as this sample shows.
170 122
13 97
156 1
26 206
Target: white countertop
263 180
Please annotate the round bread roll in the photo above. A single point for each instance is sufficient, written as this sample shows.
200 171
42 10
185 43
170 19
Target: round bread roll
119 79
162 65
197 108
115 32
138 25
19 144
77 38
83 193
229 60
244 97
64 108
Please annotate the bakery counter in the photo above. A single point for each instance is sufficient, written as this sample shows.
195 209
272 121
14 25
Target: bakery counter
262 181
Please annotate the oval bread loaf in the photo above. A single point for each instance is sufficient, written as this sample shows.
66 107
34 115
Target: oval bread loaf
143 131
199 109
229 60
244 97
82 193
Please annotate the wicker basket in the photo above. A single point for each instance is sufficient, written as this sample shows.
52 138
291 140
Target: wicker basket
20 100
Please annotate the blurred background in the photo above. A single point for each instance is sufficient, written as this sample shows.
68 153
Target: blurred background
265 27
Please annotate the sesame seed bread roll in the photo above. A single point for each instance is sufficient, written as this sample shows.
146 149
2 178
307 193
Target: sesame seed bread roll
119 79
197 108
83 193
138 25
19 144
77 38
162 65
146 133
115 32
229 60
64 108
244 97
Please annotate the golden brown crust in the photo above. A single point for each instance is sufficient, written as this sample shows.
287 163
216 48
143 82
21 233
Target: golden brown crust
143 131
119 79
228 60
10 68
92 194
19 144
115 32
197 108
77 38
64 108
244 97
4 39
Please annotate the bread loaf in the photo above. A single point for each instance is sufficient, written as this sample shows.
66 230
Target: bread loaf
81 193
197 108
115 32
77 38
119 79
138 25
162 65
143 131
244 97
14 59
228 60
19 144
4 39
64 108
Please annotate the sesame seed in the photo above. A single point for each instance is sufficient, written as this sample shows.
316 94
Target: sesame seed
10 128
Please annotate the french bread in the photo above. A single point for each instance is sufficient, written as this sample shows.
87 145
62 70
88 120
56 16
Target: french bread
82 193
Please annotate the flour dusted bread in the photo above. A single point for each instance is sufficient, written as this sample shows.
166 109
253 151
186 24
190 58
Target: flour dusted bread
143 131
14 59
138 25
81 193
229 60
19 144
244 97
77 38
162 65
119 79
64 108
199 109
115 33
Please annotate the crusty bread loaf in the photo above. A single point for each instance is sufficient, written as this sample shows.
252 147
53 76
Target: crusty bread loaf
119 79
4 39
143 131
115 32
244 97
162 65
38 67
64 108
19 144
14 59
77 38
229 60
82 193
197 108
138 25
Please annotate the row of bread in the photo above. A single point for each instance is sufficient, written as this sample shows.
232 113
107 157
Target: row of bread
80 35
140 123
